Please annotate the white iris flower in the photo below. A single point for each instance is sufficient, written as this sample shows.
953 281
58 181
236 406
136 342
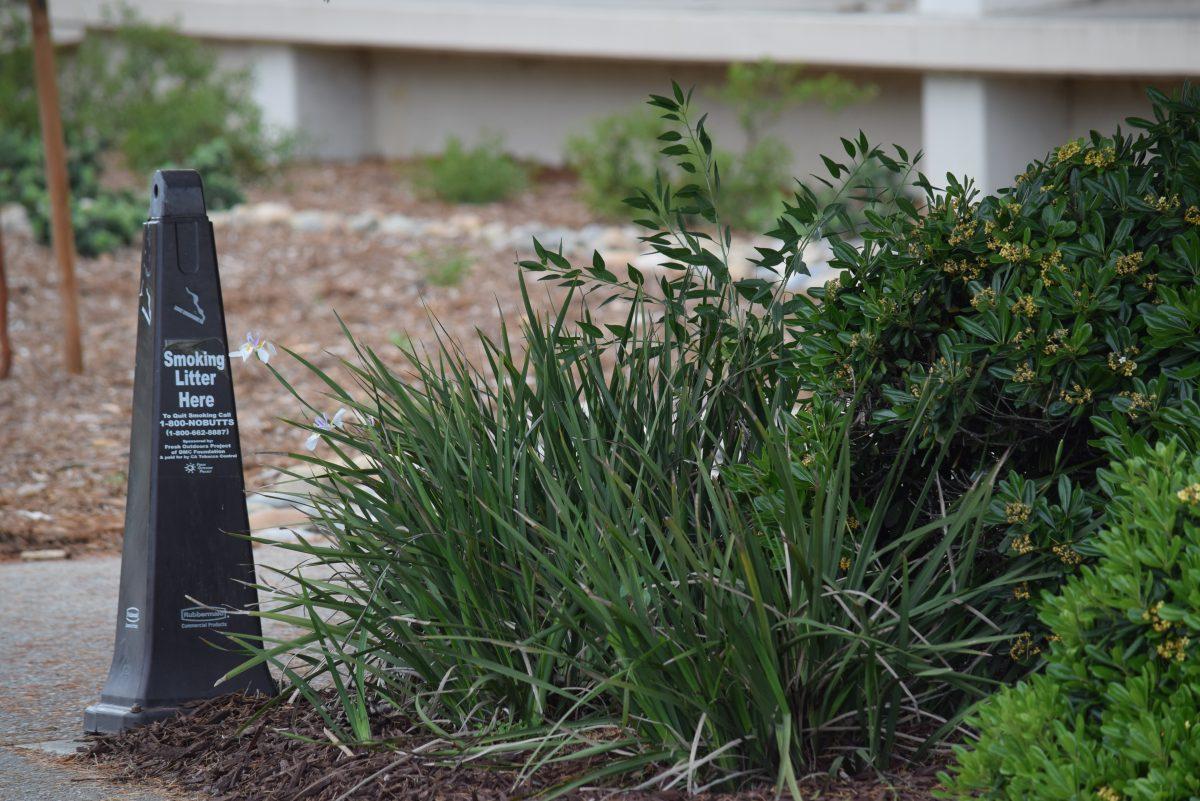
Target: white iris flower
255 346
323 423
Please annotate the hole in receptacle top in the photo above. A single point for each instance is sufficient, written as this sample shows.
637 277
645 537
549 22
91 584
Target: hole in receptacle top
156 190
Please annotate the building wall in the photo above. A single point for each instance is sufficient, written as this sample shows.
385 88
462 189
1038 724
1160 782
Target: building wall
1102 104
536 104
336 108
349 103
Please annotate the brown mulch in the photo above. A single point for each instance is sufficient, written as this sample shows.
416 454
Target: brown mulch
219 750
64 439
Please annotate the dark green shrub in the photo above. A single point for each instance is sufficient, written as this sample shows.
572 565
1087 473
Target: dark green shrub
102 219
480 174
1070 302
1116 713
107 221
755 183
760 92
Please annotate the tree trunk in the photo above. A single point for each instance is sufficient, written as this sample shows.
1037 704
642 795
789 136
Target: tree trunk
5 344
56 181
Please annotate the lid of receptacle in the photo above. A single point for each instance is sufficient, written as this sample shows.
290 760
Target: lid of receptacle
177 193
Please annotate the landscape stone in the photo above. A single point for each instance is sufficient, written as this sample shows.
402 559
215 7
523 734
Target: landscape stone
399 224
363 223
44 555
15 220
313 222
252 214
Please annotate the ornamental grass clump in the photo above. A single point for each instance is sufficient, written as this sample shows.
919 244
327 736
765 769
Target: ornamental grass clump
1116 712
1069 302
545 558
561 554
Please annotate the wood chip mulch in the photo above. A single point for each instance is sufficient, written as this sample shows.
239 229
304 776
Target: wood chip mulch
218 749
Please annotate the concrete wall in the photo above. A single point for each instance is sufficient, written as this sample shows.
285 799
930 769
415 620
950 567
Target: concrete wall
537 103
323 95
1101 104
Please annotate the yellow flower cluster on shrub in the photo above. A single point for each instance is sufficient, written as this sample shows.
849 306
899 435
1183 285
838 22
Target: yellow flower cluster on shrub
1113 714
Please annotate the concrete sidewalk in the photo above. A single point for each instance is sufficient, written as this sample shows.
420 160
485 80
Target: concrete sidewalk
57 625
30 776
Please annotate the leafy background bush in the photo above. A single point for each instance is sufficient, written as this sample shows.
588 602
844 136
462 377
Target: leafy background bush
616 156
1114 714
158 96
1068 303
144 91
482 173
621 153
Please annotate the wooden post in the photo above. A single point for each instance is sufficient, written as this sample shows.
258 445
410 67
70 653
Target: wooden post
5 343
56 181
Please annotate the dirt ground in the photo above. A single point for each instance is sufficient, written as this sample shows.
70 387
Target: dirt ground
64 438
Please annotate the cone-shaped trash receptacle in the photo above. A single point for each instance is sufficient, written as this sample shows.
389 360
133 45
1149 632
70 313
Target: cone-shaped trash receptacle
183 575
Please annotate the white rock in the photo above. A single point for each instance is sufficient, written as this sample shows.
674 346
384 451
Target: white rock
15 220
616 260
441 229
361 223
44 555
496 235
262 214
591 237
313 222
399 224
287 534
467 223
618 238
261 500
268 517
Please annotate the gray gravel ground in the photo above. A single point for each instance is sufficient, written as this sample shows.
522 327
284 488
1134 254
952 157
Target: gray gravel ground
57 624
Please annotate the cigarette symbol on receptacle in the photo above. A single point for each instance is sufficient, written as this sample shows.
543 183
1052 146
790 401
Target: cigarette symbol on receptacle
199 315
